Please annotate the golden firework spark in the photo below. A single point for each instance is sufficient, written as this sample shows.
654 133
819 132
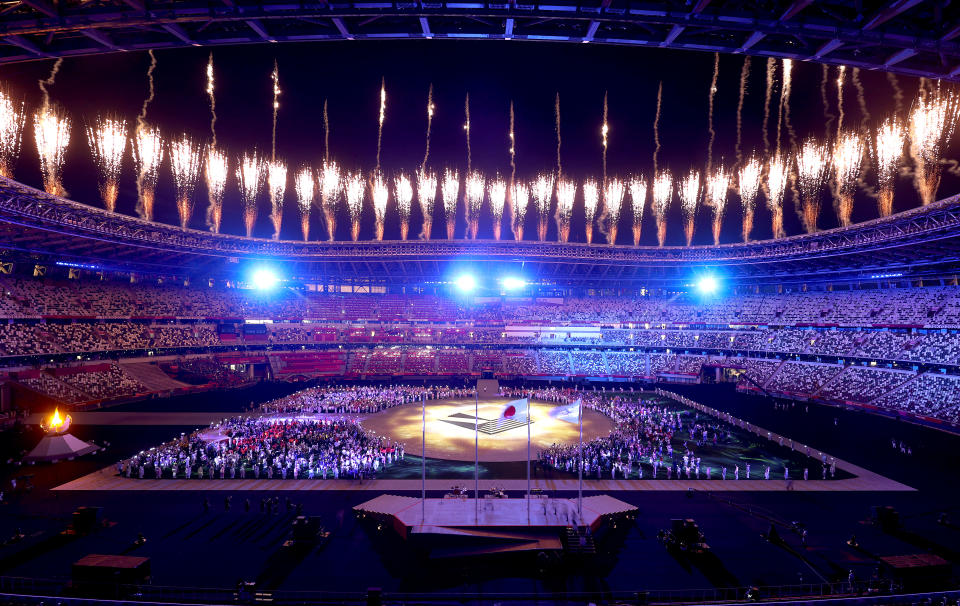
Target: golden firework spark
276 187
249 179
354 187
638 199
216 176
450 192
931 126
304 185
473 193
108 143
330 187
497 193
778 173
689 200
185 165
380 195
887 152
12 119
847 160
566 193
612 206
521 203
591 202
749 179
542 191
662 194
426 196
813 164
383 115
403 194
147 156
51 130
718 182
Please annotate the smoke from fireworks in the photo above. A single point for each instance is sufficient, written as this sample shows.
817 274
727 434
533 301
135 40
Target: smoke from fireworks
51 130
771 72
473 187
785 101
888 150
379 193
612 206
604 130
275 77
426 195
450 192
521 202
813 163
12 118
897 92
108 143
466 130
497 193
382 116
556 116
326 133
656 127
638 197
147 156
861 96
841 76
542 190
749 179
213 102
185 165
330 187
662 193
249 178
403 195
354 187
426 153
216 176
276 187
304 185
142 116
847 160
931 125
566 192
718 182
689 200
827 114
591 201
778 173
744 76
52 77
713 93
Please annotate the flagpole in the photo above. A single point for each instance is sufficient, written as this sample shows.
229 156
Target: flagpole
580 478
423 459
528 461
476 455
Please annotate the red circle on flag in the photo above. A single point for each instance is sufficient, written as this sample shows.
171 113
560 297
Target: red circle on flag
510 411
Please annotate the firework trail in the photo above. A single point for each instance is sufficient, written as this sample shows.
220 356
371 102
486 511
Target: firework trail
841 76
513 168
638 197
403 195
542 191
426 153
604 130
861 96
147 155
49 82
656 127
213 102
662 193
380 194
330 187
813 164
521 202
744 75
326 133
108 143
749 179
778 175
713 93
185 165
304 185
51 130
827 114
382 116
897 91
771 72
354 187
12 119
931 125
216 177
249 178
275 77
612 207
591 201
556 115
716 196
276 187
473 188
497 193
466 130
847 161
426 195
887 153
566 192
785 99
450 192
689 200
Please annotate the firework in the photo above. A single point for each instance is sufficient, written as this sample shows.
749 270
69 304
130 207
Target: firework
542 191
147 156
108 142
712 94
275 79
689 199
749 178
213 103
249 178
430 108
185 165
604 131
304 185
379 194
841 76
591 201
566 192
354 187
662 194
612 205
497 193
638 198
51 129
330 188
813 162
426 195
931 125
450 191
466 130
403 195
276 187
12 118
718 182
382 116
216 176
847 159
521 202
887 153
473 193
778 172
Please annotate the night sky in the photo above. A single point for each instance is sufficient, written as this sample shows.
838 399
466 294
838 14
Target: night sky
347 74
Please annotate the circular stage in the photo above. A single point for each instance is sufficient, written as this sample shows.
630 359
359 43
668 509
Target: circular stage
450 429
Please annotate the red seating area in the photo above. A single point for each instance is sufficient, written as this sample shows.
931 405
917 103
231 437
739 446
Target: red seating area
312 363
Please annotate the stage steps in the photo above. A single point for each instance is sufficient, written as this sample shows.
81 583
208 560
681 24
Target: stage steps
571 542
151 377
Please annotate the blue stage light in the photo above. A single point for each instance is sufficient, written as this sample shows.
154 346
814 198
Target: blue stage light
513 283
465 282
264 279
707 285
